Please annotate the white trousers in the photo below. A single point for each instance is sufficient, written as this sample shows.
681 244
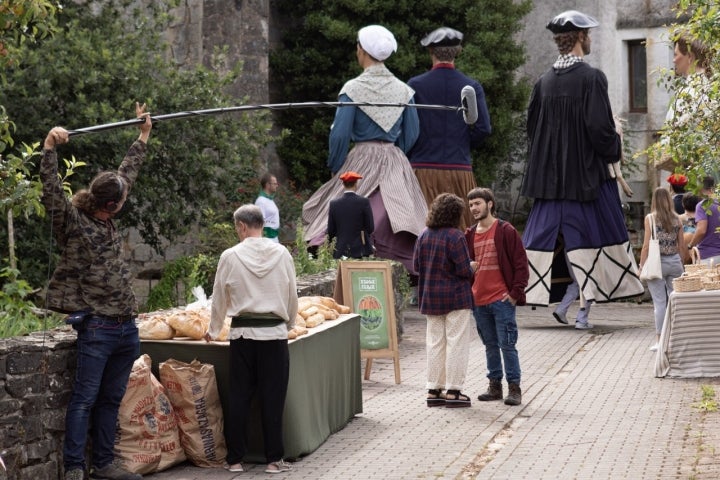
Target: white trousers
448 344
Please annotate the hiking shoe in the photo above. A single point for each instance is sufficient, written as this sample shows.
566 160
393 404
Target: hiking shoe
494 392
560 317
75 474
514 394
583 326
113 472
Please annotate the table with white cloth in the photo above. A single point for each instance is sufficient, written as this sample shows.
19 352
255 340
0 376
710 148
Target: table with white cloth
690 339
324 391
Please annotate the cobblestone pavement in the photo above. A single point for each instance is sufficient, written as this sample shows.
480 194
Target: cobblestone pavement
592 409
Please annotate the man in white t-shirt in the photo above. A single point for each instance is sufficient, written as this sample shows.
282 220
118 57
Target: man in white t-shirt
266 202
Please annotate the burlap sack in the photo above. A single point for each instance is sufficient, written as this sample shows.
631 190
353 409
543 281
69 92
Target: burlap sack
147 439
193 392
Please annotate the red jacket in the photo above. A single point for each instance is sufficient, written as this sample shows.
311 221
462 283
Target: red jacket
511 257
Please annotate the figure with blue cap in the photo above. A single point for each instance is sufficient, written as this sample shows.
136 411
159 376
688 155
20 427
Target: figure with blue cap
381 137
573 143
441 156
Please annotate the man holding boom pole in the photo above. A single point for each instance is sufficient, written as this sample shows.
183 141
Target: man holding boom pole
92 284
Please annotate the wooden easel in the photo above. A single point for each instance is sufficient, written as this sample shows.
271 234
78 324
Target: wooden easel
374 278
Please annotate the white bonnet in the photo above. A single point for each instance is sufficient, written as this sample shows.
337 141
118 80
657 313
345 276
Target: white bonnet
377 41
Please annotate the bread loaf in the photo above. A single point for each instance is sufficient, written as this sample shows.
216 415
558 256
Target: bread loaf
190 323
155 328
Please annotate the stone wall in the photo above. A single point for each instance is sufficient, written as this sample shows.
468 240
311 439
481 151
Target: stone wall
36 373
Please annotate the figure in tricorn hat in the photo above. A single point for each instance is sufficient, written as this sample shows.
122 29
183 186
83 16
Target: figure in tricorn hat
573 141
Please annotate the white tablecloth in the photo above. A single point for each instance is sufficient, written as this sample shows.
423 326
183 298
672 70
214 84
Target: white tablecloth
690 338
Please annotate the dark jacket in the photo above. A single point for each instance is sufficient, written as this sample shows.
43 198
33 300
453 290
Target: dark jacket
571 135
349 215
445 140
511 257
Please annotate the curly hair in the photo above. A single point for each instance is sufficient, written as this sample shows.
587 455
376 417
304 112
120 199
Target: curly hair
106 187
446 53
566 41
445 211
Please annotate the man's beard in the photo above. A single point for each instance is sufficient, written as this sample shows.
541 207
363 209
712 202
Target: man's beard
483 215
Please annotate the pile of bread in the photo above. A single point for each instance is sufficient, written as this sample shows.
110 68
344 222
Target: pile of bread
193 323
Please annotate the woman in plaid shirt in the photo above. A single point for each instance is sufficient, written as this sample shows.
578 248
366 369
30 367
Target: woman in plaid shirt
445 271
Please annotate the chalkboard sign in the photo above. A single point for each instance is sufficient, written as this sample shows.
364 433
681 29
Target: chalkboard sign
367 289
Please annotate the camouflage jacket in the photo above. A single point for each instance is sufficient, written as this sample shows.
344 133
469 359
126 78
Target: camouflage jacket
91 274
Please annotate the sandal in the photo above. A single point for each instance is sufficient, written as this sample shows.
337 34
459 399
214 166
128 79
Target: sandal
456 399
236 467
277 467
435 398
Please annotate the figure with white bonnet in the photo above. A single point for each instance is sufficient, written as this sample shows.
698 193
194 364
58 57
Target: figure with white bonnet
381 136
572 144
441 156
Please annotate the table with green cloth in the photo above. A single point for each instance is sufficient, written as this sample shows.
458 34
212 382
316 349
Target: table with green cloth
324 391
690 339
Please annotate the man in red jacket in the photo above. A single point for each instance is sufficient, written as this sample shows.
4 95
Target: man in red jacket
498 286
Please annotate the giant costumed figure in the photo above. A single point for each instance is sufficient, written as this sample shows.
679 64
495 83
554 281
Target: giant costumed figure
381 136
573 147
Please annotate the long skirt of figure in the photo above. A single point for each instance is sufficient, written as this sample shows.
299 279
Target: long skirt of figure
596 242
398 205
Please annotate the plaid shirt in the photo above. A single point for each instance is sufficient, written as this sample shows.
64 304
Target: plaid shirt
442 261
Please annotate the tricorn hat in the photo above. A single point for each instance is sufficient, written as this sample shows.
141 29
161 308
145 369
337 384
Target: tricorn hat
570 21
350 177
442 37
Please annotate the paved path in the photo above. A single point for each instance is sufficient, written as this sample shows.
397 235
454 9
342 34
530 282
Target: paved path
592 409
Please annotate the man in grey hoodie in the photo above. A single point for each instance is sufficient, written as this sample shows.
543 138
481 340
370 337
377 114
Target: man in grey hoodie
255 285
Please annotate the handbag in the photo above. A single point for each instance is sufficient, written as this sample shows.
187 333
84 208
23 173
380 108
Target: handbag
652 268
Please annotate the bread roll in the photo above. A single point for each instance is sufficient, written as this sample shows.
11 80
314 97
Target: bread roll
309 311
314 320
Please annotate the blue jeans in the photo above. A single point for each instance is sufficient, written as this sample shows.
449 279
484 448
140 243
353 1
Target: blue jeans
106 350
499 333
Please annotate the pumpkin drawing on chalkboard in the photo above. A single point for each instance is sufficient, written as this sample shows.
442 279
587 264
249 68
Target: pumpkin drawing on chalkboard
371 312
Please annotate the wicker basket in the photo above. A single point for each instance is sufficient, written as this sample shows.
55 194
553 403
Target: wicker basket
712 285
696 268
687 283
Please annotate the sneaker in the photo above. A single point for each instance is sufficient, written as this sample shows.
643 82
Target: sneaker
653 348
75 474
560 317
583 326
113 472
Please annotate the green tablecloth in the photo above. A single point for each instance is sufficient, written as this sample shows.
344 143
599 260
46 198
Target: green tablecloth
324 392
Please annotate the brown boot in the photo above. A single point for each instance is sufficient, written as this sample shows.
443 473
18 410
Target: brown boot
514 394
494 392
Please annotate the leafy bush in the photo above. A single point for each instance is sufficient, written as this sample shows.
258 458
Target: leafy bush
316 58
18 314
